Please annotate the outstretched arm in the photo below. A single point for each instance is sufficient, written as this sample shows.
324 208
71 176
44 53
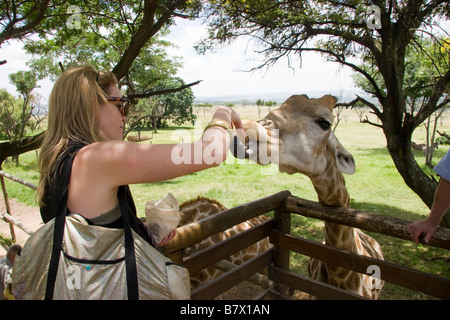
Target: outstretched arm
440 206
100 168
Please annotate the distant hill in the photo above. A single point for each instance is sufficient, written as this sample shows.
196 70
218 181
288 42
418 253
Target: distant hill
344 95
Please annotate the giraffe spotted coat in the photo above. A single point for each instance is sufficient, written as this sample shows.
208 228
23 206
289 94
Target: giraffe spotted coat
200 208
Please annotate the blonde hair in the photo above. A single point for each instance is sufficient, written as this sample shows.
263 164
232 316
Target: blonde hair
73 105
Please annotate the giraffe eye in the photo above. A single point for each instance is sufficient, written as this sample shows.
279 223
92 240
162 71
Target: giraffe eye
323 123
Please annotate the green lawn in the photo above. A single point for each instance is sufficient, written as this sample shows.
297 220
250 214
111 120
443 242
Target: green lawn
375 187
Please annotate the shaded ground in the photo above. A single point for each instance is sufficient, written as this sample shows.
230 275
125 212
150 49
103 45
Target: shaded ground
27 215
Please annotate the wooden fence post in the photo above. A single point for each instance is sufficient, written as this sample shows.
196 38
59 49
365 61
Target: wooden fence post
7 207
282 223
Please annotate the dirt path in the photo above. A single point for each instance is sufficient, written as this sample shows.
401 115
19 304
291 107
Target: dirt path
27 215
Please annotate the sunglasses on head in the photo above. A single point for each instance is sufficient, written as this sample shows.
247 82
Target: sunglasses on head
124 104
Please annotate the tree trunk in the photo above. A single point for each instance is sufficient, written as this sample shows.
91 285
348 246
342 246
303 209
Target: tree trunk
398 124
399 146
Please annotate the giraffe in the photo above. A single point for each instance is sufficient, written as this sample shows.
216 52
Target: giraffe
298 137
202 207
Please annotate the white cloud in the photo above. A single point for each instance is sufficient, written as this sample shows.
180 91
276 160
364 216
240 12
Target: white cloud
16 59
222 73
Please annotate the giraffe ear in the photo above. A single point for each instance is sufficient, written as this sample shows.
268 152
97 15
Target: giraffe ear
329 100
345 162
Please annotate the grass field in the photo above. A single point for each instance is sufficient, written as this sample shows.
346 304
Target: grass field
375 187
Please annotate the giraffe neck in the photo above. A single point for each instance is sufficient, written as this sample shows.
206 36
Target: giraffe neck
331 191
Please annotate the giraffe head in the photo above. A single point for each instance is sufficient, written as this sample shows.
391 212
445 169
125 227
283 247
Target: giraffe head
298 137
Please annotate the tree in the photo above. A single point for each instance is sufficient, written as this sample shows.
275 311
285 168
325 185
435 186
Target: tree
18 20
138 21
116 35
109 37
8 115
145 114
25 82
177 106
343 31
424 62
15 118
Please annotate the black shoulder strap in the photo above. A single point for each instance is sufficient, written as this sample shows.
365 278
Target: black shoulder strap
130 258
58 200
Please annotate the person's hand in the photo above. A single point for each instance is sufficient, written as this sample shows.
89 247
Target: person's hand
168 238
418 228
230 115
237 123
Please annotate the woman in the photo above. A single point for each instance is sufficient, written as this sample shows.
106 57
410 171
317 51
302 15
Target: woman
85 108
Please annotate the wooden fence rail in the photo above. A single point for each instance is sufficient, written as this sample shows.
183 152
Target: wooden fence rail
10 219
16 179
197 231
364 220
230 279
277 258
409 278
215 253
8 213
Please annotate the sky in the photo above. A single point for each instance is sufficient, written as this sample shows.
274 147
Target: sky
222 72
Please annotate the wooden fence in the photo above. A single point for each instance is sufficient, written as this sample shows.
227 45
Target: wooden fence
7 216
277 258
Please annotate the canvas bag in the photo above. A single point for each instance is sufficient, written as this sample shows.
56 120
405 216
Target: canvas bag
68 258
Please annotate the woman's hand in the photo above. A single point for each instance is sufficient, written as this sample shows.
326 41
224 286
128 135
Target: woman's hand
232 117
168 238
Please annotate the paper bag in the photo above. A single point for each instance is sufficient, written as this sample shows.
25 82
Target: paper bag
162 216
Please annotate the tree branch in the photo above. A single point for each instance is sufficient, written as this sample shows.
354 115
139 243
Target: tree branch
160 92
432 104
366 42
352 103
341 59
146 30
12 148
366 120
9 32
